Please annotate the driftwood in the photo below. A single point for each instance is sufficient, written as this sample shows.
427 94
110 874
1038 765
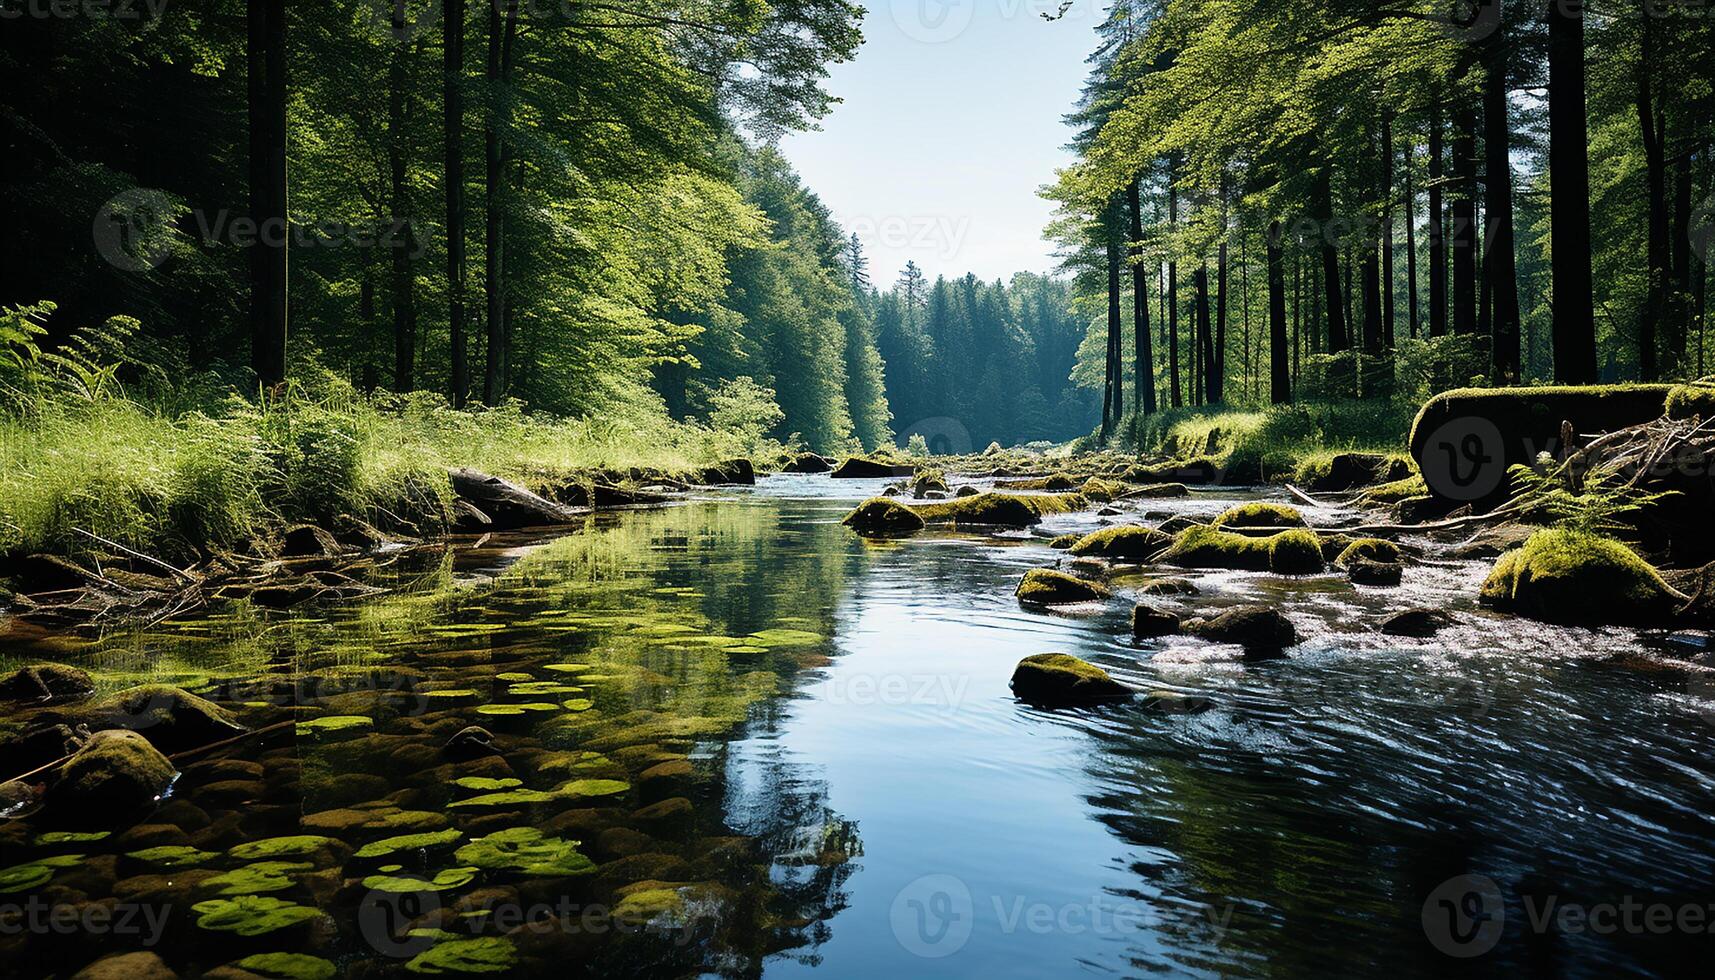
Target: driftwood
507 505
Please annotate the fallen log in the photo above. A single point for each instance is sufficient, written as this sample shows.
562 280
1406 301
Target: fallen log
508 505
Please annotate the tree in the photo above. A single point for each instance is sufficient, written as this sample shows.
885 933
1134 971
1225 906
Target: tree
268 201
453 24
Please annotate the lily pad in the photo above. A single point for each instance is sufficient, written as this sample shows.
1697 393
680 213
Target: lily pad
23 877
584 788
334 723
577 704
408 842
254 879
541 687
779 637
486 784
251 915
513 676
288 966
514 797
515 709
173 856
567 668
451 693
526 850
487 954
71 837
279 847
443 880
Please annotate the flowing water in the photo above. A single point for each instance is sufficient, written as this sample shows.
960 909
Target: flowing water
788 751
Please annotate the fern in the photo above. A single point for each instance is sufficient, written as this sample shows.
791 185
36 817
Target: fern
20 355
1602 506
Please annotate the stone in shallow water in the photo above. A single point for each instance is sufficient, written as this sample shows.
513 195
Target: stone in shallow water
1259 629
1419 623
113 777
1046 587
1058 679
1364 572
45 683
127 966
1147 622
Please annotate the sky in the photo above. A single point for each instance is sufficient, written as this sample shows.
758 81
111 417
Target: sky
951 123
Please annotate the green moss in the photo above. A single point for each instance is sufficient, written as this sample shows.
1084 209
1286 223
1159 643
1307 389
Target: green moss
486 784
1293 552
1369 549
590 788
446 879
251 915
1096 488
515 797
254 879
1261 515
1393 493
1065 541
279 847
1694 400
24 877
334 723
487 954
1563 576
526 850
173 856
288 966
782 637
54 837
884 517
1126 543
409 842
1046 587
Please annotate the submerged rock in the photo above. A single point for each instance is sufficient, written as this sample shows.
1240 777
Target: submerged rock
1259 629
1575 578
172 719
1365 572
1123 543
113 778
1046 587
45 683
1418 623
882 517
1058 679
142 965
1148 622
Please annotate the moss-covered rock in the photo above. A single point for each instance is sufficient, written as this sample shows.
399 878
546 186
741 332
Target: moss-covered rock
1052 483
1000 509
1339 472
1065 541
1148 622
1168 586
1564 576
1294 552
1369 549
1046 587
1259 629
1395 492
1694 400
1058 679
45 683
1261 514
884 517
864 468
114 776
172 719
1124 543
1096 488
1160 491
1200 472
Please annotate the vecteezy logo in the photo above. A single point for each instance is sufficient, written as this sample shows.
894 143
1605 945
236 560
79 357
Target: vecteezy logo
945 436
1464 916
1469 20
933 21
384 919
133 231
1465 459
932 917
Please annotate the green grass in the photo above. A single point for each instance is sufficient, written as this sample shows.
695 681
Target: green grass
178 484
1271 444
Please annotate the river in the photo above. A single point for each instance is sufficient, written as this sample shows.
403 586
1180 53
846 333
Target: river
789 751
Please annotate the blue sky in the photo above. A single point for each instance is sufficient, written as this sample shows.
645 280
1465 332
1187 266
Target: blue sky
950 124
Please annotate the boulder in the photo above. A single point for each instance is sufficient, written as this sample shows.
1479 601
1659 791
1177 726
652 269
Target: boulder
1046 587
115 776
1362 571
1259 629
1369 549
1160 491
1147 622
1130 542
1169 586
1294 552
141 965
883 517
967 491
45 683
1065 541
1576 578
1000 509
172 719
807 463
1351 471
1058 679
732 472
1260 515
1419 623
864 468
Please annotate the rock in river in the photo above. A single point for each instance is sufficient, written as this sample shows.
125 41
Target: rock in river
880 517
1570 577
1418 623
1148 622
44 683
1259 629
115 776
172 719
1057 679
1132 543
1046 587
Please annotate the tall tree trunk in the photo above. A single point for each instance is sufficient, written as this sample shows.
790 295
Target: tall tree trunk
1140 306
1115 348
266 23
1297 310
1437 230
1464 231
1251 357
502 23
1569 217
1339 340
1411 244
1205 337
403 284
453 24
1500 260
1218 359
1176 396
1679 303
1387 283
1652 124
1279 377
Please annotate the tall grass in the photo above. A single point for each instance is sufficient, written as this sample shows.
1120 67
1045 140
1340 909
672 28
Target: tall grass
1271 443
